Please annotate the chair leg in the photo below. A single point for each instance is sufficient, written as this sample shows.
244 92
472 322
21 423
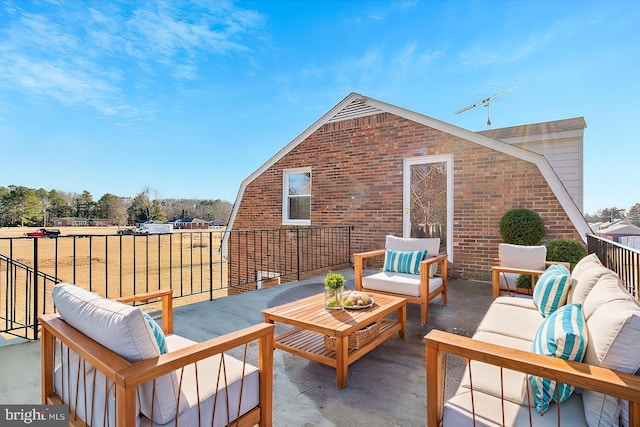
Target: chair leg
424 312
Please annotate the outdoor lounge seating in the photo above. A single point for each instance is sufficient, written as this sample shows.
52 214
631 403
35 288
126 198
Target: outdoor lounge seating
419 275
580 329
516 260
113 365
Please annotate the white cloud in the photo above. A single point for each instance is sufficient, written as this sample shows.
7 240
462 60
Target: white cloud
93 56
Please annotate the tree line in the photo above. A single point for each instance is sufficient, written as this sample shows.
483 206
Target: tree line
611 214
24 206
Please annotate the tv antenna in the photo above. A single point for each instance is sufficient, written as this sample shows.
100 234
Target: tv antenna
486 103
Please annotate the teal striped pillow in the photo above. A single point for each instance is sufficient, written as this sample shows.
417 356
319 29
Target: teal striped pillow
158 334
403 261
551 289
562 334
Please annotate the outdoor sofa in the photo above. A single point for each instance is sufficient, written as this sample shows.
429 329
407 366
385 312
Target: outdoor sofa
520 359
113 365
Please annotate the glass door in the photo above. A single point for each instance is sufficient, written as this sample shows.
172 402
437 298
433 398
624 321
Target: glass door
428 206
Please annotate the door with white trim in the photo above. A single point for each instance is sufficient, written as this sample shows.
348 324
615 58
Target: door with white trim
428 199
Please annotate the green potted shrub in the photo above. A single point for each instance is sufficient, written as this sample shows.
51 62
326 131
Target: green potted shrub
566 250
333 289
521 226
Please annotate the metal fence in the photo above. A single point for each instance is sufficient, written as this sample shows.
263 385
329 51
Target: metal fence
190 263
625 261
284 254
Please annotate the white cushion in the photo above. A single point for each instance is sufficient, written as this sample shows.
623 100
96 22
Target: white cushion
205 384
519 256
431 245
398 283
607 288
489 412
614 334
513 317
122 329
511 384
584 277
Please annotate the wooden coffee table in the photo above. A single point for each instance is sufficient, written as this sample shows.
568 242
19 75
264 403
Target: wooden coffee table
311 322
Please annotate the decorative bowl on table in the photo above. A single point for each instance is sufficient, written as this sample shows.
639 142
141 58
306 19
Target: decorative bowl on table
357 300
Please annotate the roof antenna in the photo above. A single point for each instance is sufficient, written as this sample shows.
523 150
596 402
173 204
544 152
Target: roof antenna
486 103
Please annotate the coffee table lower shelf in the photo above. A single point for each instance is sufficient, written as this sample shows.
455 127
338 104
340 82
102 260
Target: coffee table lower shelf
310 344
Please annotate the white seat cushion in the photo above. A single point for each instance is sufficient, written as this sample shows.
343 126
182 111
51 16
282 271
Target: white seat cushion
398 283
513 383
206 384
512 317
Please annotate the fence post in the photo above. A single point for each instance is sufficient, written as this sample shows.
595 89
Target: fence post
298 253
211 266
35 288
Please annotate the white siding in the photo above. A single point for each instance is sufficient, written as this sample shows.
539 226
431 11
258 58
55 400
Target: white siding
565 156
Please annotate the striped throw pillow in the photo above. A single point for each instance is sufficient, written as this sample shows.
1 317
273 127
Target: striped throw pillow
551 289
403 261
562 334
158 334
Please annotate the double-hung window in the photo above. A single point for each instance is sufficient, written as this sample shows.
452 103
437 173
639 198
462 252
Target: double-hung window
296 203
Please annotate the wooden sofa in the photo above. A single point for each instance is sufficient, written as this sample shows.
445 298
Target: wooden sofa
496 388
103 359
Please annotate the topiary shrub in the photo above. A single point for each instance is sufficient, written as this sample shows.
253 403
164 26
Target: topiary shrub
522 226
566 250
524 281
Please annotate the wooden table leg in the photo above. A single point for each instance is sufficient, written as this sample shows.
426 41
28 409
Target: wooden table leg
402 319
342 360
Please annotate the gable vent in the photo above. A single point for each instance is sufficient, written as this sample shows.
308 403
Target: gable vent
357 108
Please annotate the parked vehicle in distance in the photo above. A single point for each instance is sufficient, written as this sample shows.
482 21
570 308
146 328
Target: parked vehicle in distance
124 231
43 232
152 228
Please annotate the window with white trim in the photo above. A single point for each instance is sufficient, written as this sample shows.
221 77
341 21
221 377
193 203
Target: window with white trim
296 203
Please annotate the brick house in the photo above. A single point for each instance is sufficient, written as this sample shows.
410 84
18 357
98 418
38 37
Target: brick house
190 224
382 169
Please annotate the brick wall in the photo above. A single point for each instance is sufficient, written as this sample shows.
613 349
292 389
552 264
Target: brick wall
357 180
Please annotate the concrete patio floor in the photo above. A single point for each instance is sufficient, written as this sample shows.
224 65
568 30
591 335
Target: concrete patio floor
386 387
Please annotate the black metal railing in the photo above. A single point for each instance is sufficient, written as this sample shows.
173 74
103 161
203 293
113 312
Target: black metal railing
190 263
22 290
285 254
625 261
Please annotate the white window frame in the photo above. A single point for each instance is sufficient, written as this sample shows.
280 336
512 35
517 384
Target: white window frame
285 197
407 163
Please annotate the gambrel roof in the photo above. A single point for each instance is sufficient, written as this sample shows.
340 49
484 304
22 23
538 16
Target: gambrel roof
356 105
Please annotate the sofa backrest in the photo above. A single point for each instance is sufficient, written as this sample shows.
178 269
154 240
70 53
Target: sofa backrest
122 329
584 277
431 245
612 317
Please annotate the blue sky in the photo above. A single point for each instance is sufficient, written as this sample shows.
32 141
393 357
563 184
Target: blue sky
189 98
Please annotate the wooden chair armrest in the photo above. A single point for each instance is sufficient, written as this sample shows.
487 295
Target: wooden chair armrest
548 264
149 369
166 296
583 375
501 269
358 265
434 259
